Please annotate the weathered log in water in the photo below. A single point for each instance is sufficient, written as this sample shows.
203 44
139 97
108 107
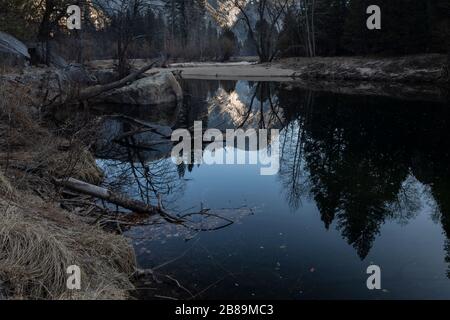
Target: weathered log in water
115 198
141 207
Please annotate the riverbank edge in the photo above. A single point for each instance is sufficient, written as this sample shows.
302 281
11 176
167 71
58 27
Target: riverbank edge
41 235
413 77
409 69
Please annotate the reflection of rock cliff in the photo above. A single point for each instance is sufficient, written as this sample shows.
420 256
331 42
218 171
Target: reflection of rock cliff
225 109
246 105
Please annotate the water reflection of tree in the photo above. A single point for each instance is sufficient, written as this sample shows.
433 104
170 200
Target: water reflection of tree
359 158
431 166
358 153
292 171
352 155
134 164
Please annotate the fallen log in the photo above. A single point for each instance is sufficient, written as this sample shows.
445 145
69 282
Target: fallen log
94 91
115 198
141 207
78 94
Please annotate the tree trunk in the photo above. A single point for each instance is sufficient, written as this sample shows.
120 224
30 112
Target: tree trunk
93 91
107 195
118 199
313 31
45 29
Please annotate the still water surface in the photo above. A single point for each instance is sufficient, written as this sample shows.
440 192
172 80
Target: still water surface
363 180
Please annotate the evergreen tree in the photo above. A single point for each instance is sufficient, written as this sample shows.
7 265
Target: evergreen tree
290 42
228 43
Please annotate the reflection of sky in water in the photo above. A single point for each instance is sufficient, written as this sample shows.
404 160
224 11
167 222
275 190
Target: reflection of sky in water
353 189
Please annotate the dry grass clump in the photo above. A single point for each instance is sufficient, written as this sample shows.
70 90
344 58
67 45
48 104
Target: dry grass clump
36 247
77 162
5 186
16 119
30 147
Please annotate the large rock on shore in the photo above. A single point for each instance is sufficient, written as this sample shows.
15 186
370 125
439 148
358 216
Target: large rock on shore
150 90
12 51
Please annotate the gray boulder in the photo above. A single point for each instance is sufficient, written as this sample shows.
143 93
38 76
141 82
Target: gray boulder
150 90
12 51
40 86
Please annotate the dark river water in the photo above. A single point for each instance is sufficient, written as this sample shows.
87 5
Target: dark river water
363 180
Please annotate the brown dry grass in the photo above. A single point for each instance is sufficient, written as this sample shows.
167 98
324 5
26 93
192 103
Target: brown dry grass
37 244
5 186
38 239
26 145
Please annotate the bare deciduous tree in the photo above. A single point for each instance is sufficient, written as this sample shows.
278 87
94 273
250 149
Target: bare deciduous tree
123 15
264 32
